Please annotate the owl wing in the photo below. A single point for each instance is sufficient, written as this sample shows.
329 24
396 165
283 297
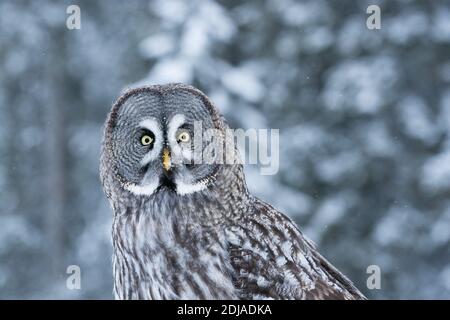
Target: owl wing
271 259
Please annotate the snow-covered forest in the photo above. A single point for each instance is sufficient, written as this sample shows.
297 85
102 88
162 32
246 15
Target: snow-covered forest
364 119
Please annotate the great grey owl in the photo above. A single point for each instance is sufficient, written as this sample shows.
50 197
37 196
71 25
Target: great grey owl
186 229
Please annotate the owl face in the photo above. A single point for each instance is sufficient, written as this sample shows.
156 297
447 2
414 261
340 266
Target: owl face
151 139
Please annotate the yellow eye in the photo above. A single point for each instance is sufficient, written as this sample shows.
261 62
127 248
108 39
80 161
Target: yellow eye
146 140
183 136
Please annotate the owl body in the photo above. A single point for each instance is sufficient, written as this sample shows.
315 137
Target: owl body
193 231
171 254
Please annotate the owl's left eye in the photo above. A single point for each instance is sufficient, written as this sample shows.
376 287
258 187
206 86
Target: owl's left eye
183 136
146 139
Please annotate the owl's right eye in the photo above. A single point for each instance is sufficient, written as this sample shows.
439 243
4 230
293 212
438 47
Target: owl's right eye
147 139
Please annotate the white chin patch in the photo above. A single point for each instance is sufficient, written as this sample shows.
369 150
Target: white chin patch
184 188
181 188
146 190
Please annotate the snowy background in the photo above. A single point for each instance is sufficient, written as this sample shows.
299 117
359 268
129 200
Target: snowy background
364 118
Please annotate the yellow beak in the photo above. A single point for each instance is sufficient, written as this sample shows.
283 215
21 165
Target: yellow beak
166 159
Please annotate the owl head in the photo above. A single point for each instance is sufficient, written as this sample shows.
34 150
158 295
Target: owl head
155 140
